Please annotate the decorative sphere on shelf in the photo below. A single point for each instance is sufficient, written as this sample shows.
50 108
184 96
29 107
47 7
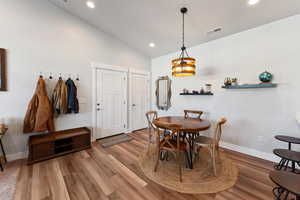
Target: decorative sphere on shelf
265 77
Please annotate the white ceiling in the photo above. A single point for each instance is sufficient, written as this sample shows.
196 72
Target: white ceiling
139 22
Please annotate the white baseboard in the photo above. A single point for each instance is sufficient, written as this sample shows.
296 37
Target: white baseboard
251 152
128 131
16 156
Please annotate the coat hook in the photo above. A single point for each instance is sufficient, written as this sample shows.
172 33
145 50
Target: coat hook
41 75
77 79
59 76
50 77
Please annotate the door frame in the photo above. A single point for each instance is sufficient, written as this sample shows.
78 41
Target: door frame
96 66
139 72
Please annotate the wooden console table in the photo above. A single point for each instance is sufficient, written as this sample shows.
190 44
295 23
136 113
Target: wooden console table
2 133
51 145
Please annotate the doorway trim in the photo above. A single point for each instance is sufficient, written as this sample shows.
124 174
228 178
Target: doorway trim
141 72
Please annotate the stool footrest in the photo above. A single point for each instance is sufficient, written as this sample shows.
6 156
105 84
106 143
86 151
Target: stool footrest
284 164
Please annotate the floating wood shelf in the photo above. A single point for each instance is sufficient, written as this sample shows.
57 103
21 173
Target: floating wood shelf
247 86
207 94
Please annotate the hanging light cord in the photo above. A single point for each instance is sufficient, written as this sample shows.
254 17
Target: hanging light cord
183 30
183 48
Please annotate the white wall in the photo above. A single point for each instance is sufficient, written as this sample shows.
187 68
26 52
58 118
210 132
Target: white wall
254 115
41 37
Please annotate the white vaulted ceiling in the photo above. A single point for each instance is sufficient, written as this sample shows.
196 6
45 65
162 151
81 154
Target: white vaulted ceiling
139 22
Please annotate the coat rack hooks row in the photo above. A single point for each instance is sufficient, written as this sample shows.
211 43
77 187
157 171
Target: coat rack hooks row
60 76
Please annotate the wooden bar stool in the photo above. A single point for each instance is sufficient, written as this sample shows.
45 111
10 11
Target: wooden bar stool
287 184
286 157
290 141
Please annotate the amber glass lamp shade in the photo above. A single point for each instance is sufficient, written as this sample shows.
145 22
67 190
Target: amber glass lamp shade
182 67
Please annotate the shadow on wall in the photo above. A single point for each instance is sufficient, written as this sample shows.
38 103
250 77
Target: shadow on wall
232 131
208 71
14 140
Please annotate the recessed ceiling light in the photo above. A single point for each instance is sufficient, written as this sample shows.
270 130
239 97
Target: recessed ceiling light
253 2
90 4
151 45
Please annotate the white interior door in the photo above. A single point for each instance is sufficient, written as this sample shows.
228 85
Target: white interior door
111 100
140 99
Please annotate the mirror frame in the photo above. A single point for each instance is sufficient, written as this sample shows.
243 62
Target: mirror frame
3 70
169 92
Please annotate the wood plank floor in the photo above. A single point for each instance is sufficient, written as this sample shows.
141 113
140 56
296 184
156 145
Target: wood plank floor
113 174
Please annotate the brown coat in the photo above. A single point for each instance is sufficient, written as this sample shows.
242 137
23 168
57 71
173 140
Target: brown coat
59 98
39 115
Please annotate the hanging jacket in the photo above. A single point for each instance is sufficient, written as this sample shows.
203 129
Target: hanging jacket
59 98
72 100
39 115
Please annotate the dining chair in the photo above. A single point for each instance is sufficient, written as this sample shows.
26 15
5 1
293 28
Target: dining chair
212 143
171 142
192 113
151 115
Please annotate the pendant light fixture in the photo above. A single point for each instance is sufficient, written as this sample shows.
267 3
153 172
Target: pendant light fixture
184 65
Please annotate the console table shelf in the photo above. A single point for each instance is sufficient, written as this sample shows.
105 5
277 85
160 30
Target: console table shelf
248 86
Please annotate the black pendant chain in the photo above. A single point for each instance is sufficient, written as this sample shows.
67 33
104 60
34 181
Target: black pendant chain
183 48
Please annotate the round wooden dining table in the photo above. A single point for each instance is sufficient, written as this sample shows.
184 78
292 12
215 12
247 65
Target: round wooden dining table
190 127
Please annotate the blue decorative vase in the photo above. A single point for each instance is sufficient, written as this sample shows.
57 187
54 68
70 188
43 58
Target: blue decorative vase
265 77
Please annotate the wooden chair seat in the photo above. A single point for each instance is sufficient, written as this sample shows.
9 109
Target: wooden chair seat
204 140
182 145
287 154
170 142
212 143
163 132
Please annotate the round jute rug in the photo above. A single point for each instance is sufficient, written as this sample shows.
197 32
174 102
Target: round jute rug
199 180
